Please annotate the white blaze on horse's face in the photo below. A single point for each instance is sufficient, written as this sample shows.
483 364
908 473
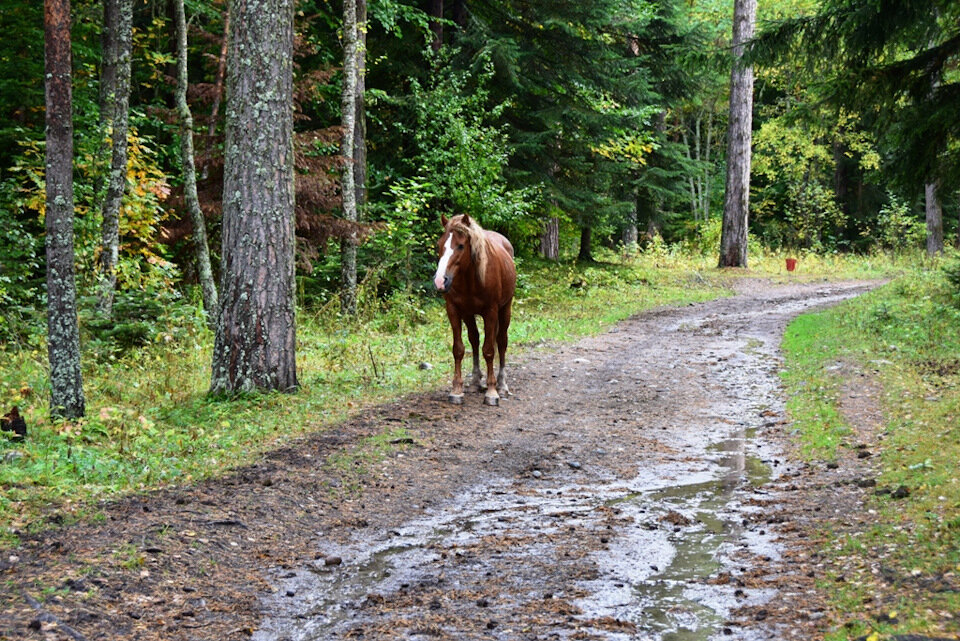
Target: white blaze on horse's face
441 280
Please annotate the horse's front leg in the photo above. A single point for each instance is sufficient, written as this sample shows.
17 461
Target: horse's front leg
474 335
456 395
490 318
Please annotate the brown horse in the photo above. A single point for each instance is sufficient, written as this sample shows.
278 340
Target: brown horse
477 277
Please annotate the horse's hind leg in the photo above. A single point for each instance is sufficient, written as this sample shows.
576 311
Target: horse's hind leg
502 327
474 335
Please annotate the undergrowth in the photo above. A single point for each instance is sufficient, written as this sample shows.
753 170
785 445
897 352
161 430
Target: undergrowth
906 335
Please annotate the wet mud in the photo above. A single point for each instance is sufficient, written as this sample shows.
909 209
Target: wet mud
624 493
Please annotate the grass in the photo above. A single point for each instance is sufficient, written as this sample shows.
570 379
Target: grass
150 422
908 333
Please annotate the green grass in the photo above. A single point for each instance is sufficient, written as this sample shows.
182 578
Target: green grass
150 422
908 334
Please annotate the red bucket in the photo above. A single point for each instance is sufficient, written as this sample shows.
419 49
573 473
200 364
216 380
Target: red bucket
791 264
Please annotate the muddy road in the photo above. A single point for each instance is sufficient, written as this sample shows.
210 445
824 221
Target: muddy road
621 493
637 485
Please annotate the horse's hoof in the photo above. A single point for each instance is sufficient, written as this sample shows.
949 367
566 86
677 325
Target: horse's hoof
492 401
456 399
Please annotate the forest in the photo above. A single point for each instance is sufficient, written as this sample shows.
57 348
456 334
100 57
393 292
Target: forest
573 129
221 216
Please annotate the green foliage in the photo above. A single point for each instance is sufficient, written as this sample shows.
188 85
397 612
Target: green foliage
899 229
455 162
951 272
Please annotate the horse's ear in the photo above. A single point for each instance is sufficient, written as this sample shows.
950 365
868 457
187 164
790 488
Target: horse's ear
466 220
443 221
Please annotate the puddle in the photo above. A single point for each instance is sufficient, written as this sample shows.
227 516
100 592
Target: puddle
665 545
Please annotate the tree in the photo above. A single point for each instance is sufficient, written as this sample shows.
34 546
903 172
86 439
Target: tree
733 237
255 345
63 336
204 272
348 246
115 112
934 215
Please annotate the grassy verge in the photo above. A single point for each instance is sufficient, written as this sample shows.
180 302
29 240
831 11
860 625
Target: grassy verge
150 423
909 560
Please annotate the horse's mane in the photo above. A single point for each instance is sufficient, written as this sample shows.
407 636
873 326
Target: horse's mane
479 243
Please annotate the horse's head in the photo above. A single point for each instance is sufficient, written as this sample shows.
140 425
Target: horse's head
454 249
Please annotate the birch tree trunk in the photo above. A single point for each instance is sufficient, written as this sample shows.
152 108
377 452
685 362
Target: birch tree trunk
348 246
205 273
115 100
360 129
255 345
63 336
733 237
934 214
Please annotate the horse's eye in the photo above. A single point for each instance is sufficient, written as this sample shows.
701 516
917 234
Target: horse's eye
460 247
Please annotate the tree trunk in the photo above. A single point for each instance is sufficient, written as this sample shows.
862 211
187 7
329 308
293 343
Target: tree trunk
255 346
550 239
586 239
221 74
218 85
436 26
460 13
204 271
733 237
630 236
115 96
348 186
934 212
63 336
360 112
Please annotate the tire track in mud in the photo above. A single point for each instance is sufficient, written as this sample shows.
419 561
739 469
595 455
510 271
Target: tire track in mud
621 494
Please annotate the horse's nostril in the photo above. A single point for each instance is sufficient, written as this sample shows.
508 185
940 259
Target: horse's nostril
446 282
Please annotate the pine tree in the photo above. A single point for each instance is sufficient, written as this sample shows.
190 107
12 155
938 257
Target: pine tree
63 337
255 345
736 206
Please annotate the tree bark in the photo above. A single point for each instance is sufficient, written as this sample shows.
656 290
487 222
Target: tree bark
460 13
204 271
255 345
586 239
360 111
630 235
550 239
934 212
733 237
348 188
218 86
115 100
63 335
436 26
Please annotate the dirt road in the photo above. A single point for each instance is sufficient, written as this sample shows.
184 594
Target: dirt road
628 490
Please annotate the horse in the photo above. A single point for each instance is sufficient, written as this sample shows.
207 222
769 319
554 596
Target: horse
477 277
